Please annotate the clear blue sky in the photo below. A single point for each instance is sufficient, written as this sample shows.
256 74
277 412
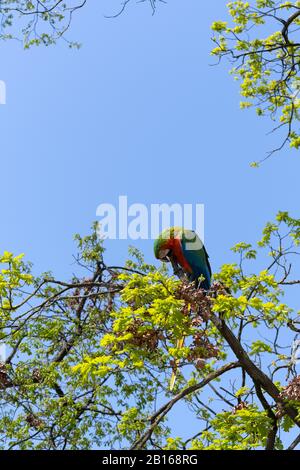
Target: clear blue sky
140 111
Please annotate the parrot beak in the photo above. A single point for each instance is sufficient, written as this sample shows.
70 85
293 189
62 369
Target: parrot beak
164 255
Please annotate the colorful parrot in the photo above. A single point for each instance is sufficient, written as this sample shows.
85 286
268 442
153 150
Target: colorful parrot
187 250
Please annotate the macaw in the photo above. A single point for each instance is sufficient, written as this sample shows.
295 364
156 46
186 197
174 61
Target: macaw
187 250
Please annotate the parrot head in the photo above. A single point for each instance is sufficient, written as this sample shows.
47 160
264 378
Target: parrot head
164 244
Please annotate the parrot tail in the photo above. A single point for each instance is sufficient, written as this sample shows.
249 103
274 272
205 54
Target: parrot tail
179 345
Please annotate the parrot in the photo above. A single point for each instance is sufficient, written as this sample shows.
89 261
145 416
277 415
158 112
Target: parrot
187 250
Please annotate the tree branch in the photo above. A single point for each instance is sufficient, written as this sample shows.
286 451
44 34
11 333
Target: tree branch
164 410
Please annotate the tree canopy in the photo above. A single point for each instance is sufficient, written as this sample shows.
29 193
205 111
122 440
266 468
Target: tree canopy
90 359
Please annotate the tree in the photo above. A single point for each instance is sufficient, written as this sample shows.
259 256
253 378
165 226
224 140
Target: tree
262 42
90 359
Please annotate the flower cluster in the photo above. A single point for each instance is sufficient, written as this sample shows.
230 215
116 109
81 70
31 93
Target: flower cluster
5 381
292 390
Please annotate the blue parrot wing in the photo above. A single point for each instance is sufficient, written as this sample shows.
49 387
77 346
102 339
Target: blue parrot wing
198 259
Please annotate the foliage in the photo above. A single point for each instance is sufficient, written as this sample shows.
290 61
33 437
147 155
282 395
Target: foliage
243 429
89 361
261 39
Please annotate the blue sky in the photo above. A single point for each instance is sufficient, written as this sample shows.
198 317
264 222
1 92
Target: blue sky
139 110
